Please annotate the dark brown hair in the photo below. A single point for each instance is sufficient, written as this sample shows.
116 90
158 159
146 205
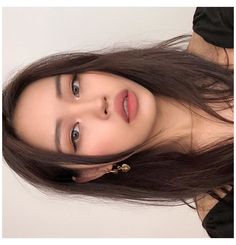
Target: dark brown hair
158 177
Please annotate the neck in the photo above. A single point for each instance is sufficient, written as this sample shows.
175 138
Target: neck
173 125
209 130
182 128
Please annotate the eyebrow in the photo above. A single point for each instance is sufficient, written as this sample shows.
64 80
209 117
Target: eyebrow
59 121
58 86
58 135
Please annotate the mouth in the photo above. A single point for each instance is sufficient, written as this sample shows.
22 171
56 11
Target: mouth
121 105
125 107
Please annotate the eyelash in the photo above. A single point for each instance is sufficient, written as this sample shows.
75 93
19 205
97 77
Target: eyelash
72 83
73 129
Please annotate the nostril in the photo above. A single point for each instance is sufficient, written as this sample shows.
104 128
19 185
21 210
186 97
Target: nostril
106 105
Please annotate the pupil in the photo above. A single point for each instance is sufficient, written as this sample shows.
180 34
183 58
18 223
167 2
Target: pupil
75 134
75 90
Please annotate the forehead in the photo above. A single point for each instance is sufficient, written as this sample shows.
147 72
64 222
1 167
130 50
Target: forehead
34 115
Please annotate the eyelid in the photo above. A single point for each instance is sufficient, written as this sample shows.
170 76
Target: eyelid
75 78
75 145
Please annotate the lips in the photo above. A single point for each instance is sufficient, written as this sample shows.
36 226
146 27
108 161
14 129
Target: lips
118 104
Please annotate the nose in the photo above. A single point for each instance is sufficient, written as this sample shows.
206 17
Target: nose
95 107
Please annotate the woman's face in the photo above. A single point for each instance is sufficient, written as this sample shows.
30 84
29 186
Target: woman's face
47 112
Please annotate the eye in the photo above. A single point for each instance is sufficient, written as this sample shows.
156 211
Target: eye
75 87
75 136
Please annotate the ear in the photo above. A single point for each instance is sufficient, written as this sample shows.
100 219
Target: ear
88 174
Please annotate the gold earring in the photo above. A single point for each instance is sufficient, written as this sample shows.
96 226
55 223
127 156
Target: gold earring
124 168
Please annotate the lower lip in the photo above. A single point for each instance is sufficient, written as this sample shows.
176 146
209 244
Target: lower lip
132 105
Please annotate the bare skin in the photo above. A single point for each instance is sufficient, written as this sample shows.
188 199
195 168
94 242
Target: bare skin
200 47
205 202
102 133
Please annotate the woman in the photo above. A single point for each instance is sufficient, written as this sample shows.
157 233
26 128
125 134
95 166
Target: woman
63 129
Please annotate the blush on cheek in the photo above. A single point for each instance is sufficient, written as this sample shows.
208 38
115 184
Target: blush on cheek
103 148
100 150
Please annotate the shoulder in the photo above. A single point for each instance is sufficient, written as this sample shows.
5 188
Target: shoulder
215 25
212 37
197 45
205 202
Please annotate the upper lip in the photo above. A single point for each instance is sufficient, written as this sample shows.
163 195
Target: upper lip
118 103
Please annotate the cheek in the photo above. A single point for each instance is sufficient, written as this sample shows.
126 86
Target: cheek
103 141
100 150
103 145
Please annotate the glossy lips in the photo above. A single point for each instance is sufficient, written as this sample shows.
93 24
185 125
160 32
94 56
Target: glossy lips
118 104
132 105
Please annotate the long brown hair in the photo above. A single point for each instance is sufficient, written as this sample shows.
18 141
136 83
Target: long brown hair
158 177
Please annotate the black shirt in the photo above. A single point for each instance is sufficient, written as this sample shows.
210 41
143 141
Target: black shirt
219 221
215 26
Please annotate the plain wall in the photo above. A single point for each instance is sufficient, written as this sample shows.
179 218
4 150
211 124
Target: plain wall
31 33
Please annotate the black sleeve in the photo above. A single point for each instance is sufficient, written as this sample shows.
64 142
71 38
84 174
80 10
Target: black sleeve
219 222
215 25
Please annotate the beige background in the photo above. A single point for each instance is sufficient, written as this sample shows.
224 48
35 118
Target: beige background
30 33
